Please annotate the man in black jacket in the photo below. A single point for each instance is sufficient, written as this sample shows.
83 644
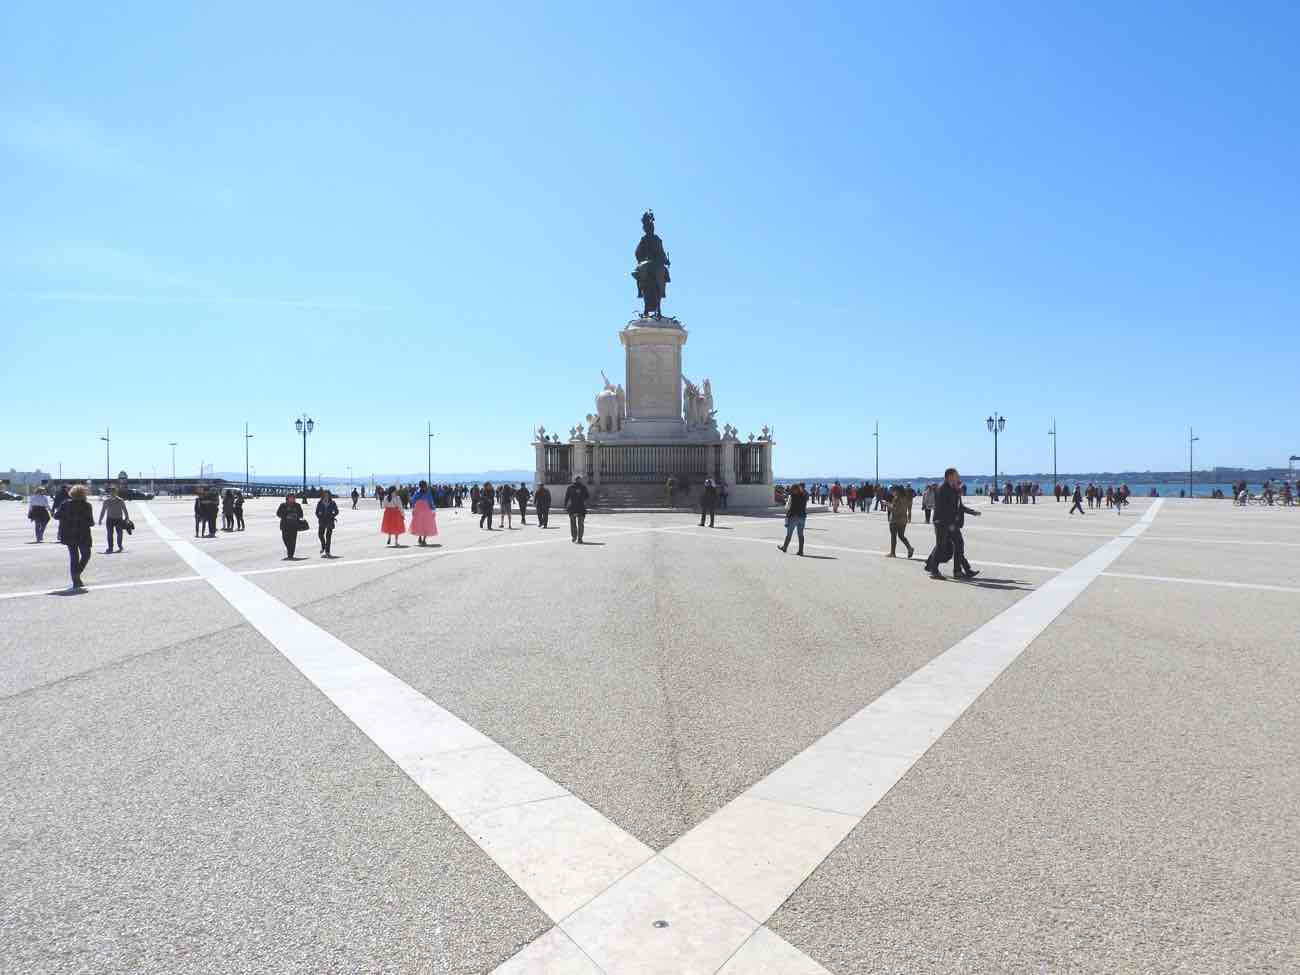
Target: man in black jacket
486 498
949 513
521 498
542 502
575 503
708 502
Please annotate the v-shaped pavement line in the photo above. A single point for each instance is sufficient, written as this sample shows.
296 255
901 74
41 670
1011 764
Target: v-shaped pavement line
738 866
698 906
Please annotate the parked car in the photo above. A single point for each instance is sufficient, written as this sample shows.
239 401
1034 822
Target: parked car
10 496
133 494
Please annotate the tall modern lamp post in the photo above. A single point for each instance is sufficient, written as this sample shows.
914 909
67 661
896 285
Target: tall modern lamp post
349 477
108 466
996 424
1052 433
304 425
428 442
1190 440
877 436
247 437
172 445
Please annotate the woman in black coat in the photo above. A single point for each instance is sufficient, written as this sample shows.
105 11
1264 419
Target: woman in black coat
76 519
327 513
290 515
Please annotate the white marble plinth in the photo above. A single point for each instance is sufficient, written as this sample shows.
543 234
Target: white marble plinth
653 350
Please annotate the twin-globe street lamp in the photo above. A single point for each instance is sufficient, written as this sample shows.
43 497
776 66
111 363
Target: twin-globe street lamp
304 425
996 424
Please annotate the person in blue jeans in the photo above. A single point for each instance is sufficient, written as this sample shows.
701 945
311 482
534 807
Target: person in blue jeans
796 515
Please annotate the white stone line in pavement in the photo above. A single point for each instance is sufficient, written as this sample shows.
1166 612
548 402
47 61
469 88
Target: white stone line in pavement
324 564
812 801
725 877
555 847
769 540
1181 580
130 584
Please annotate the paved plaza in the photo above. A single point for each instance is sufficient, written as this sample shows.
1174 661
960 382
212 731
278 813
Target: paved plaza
670 750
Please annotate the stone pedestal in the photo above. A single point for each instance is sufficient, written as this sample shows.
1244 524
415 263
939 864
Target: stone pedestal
653 353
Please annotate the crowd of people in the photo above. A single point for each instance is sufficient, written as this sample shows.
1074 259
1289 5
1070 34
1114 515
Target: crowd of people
942 505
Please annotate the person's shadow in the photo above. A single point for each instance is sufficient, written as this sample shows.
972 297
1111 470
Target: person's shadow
1017 585
68 592
828 558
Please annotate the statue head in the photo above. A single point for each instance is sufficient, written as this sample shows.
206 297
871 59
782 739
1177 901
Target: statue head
648 221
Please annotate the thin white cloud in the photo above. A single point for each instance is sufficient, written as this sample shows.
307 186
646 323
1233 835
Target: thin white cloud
67 141
91 297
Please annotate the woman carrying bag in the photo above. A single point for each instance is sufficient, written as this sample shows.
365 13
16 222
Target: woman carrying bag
327 513
38 512
291 523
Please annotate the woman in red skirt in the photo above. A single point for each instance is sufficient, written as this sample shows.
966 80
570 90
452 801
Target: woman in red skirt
394 523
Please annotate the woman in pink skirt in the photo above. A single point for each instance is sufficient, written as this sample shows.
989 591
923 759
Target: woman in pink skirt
424 522
394 523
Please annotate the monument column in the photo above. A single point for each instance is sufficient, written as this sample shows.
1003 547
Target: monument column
653 352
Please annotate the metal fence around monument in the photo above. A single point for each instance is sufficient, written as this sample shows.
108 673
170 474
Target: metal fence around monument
749 463
557 464
633 464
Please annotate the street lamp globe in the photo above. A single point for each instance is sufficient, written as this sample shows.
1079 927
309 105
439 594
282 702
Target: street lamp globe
1002 423
298 425
989 421
311 424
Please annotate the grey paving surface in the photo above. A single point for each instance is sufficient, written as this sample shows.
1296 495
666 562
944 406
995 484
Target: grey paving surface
178 798
1122 800
203 809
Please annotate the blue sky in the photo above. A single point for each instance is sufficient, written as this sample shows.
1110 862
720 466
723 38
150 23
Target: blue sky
916 213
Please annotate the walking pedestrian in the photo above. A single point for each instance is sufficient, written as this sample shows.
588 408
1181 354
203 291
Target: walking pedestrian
900 513
948 514
669 487
927 501
239 511
115 508
521 498
393 523
796 514
575 503
327 513
1078 500
722 495
76 519
291 522
542 502
199 515
38 512
486 499
506 498
228 511
355 498
708 502
424 520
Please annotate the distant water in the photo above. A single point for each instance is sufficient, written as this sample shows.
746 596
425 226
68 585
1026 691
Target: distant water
1164 489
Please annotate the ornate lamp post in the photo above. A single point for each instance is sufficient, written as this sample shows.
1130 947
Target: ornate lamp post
996 424
304 425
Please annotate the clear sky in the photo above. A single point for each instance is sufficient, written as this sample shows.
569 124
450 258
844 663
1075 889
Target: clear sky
916 213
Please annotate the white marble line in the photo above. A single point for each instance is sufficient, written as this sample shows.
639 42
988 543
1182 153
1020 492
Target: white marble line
817 546
106 585
760 847
555 847
1183 581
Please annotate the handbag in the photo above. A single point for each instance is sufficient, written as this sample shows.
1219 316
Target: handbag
302 525
128 526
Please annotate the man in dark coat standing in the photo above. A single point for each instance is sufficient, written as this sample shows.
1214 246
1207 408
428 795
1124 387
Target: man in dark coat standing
521 498
575 503
708 502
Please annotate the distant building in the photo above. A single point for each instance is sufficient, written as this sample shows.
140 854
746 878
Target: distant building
23 478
